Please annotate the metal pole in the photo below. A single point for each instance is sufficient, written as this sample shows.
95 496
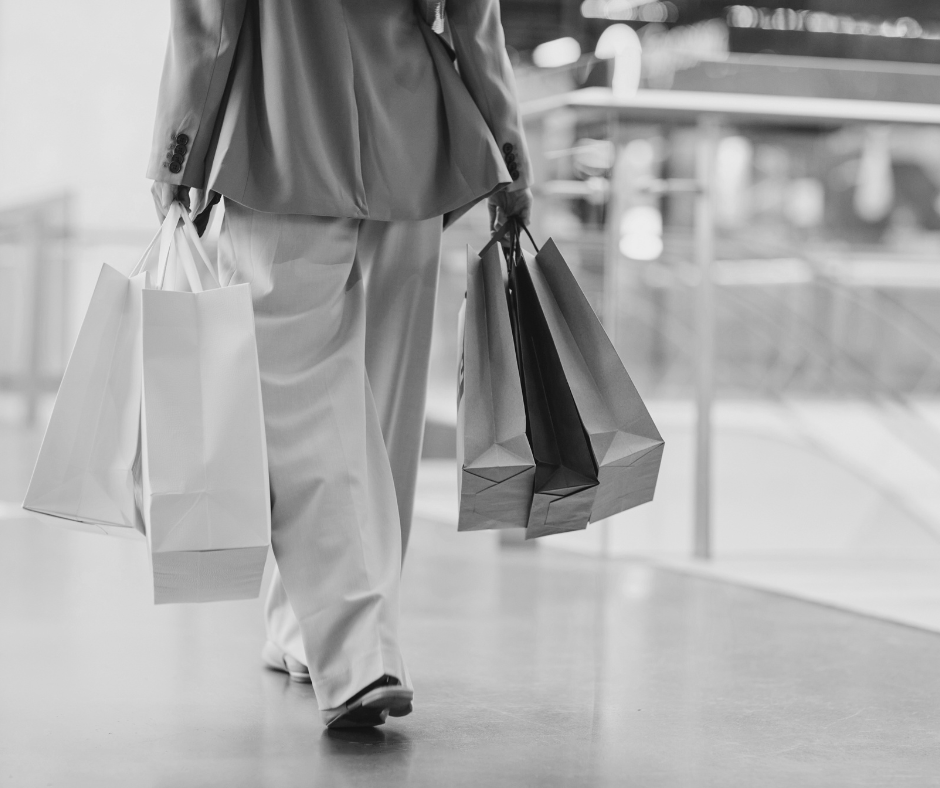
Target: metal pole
612 265
612 258
708 128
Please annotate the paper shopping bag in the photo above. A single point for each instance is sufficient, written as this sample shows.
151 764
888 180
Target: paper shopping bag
495 465
565 472
84 471
206 502
625 442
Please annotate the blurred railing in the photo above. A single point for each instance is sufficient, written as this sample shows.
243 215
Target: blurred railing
782 314
35 257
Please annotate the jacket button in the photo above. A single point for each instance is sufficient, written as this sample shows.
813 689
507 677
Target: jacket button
175 167
514 173
177 159
507 148
182 139
510 158
180 150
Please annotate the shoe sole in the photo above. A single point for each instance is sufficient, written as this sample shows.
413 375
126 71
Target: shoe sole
374 708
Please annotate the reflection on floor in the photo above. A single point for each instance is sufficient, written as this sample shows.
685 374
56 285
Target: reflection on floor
532 667
901 586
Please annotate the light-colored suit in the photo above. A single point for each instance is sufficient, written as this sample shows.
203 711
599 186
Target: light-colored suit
343 342
347 108
340 132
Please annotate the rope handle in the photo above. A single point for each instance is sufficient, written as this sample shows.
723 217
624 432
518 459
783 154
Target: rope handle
511 225
529 235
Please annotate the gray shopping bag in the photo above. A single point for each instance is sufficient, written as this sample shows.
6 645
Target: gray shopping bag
566 479
494 461
626 444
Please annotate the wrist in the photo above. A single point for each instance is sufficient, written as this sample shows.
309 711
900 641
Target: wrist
520 184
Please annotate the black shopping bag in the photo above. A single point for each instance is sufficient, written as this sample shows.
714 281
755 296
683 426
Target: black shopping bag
566 476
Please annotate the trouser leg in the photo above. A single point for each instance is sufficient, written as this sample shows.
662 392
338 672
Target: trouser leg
335 528
400 261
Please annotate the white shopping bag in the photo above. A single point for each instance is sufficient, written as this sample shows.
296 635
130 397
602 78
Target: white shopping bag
206 501
85 468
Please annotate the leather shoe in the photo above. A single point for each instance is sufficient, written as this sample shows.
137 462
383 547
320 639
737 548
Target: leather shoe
371 706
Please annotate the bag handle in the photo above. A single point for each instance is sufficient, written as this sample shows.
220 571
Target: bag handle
140 263
511 226
183 245
163 235
167 232
497 236
185 256
184 252
189 228
529 235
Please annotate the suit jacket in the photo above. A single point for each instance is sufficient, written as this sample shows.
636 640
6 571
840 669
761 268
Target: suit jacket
350 108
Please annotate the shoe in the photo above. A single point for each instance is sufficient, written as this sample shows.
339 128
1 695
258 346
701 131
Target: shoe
276 659
371 706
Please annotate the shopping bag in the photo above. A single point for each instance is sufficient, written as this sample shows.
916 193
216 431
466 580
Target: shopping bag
205 497
625 442
495 465
85 468
566 477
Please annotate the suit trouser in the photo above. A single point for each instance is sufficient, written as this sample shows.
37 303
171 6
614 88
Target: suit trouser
343 317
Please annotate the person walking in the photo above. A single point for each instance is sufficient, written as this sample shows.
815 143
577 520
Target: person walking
343 135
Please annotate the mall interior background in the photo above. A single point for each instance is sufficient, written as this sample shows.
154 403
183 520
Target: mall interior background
825 478
778 163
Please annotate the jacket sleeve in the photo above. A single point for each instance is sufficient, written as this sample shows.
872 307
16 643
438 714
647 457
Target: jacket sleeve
477 35
203 36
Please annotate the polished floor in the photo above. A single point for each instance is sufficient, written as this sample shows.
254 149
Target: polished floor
531 666
886 572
